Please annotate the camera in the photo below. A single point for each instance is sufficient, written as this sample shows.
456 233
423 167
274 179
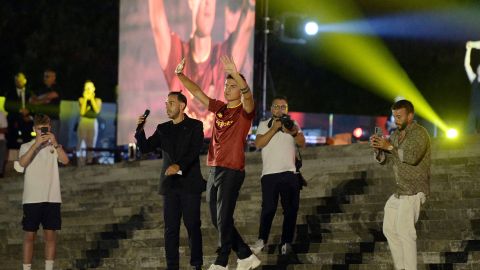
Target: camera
287 122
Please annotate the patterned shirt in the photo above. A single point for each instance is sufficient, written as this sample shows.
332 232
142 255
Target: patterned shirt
410 160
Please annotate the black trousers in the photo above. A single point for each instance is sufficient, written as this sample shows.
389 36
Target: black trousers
286 186
176 204
223 187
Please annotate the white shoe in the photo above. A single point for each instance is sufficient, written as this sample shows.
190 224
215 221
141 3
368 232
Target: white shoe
286 249
217 267
249 263
257 247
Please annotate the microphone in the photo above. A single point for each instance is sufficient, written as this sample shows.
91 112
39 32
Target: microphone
145 115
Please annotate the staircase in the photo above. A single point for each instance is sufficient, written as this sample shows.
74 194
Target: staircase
112 215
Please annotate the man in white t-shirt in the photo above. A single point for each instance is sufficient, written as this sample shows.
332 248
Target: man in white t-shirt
3 142
41 190
277 137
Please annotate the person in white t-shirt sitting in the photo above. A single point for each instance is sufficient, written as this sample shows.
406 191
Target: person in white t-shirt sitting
277 137
41 190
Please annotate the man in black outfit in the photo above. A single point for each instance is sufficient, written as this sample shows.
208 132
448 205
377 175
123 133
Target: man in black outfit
47 100
20 121
181 182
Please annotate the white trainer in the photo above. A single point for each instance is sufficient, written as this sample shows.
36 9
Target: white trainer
249 263
217 267
257 247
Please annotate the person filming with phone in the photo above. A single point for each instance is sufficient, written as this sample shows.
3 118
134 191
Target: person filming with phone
407 151
39 160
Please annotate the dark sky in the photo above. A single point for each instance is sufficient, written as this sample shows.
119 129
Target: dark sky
80 40
434 66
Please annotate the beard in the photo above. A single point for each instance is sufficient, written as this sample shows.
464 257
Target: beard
402 126
172 114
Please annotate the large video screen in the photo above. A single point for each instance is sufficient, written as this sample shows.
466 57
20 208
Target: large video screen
156 34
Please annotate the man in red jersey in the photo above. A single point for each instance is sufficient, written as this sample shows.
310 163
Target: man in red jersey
227 158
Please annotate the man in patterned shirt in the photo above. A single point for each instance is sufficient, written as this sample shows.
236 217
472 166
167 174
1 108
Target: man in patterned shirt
408 152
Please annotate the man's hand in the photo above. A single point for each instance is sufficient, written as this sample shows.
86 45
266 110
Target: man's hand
41 139
473 44
172 169
180 67
379 142
141 120
51 138
276 125
228 65
292 131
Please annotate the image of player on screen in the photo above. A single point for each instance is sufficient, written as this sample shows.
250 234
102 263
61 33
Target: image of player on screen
200 52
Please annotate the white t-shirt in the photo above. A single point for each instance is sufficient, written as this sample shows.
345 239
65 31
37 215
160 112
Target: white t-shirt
42 181
279 154
3 124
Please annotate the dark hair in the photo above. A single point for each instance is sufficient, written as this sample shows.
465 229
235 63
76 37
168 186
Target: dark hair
50 70
180 97
229 76
41 119
403 104
279 98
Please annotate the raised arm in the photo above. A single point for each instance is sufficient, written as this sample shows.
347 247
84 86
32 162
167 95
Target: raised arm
147 145
26 156
96 105
161 31
247 96
243 34
468 68
192 87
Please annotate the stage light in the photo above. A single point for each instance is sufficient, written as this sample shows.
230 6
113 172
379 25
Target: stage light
363 58
311 28
452 133
358 133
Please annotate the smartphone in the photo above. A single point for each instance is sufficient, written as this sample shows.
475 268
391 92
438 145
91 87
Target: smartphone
43 130
378 131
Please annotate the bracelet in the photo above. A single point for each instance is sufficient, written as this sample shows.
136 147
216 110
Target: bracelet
245 90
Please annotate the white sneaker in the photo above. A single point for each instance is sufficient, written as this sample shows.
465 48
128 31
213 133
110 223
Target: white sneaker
249 263
217 267
286 249
257 247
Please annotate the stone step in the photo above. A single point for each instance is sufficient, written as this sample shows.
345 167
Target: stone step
299 261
